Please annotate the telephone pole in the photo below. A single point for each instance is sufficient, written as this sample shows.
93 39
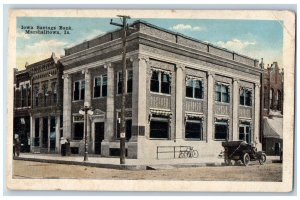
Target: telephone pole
124 26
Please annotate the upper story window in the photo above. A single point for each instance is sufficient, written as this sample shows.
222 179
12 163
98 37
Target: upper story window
28 95
78 90
222 93
23 95
245 97
160 82
36 95
100 86
45 92
194 88
54 89
120 79
129 81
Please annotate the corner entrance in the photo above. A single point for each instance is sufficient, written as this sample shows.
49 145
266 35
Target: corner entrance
99 136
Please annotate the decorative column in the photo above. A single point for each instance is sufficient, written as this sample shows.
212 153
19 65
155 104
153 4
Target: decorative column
235 110
210 103
67 101
257 116
87 98
139 96
179 101
57 133
41 131
109 125
49 133
32 132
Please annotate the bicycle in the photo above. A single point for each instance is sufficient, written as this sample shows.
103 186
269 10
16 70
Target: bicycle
189 153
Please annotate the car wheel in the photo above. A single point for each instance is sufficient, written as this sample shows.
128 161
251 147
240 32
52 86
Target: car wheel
262 159
246 159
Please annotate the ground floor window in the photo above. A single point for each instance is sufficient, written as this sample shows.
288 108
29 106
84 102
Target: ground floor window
193 129
78 131
159 127
245 132
221 129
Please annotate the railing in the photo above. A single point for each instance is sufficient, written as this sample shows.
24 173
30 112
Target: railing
173 151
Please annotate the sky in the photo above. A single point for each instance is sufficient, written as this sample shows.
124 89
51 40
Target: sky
254 38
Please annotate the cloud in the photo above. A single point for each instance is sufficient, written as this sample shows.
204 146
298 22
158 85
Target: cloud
182 27
22 35
39 50
235 44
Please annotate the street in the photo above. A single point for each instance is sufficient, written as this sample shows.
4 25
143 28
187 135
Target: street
254 172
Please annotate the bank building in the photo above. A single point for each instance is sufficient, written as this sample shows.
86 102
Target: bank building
179 92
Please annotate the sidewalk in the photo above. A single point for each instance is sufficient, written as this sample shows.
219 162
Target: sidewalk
131 164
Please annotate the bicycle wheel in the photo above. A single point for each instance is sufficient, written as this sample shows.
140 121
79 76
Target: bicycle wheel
195 154
181 154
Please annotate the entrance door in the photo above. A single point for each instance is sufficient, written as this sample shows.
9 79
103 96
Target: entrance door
245 133
45 133
99 136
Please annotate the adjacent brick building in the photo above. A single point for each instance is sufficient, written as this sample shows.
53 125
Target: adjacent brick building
273 109
22 106
180 92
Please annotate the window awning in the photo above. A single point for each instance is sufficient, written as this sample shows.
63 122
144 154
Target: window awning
160 112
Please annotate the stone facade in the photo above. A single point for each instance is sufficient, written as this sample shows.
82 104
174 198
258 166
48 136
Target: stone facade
176 60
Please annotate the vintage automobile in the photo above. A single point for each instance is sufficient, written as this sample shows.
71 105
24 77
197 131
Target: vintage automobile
242 151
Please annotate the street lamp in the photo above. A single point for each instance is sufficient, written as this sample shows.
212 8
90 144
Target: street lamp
85 110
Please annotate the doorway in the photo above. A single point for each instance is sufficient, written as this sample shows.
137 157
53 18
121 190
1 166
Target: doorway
99 136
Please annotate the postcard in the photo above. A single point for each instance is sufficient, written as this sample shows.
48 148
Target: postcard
151 100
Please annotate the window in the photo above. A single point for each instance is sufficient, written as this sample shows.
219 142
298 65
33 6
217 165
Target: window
245 132
45 93
278 100
23 95
78 131
78 90
100 86
160 82
36 94
222 93
159 127
119 78
193 129
129 81
54 89
28 95
128 126
271 98
221 130
266 97
245 97
194 88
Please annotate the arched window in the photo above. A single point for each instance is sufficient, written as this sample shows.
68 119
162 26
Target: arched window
278 100
271 98
266 98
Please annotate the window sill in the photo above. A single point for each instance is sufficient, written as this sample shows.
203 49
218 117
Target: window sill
99 97
196 140
195 99
74 101
245 106
166 139
223 103
159 93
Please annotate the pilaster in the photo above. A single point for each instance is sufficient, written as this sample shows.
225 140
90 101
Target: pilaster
67 102
210 103
179 104
109 125
235 110
257 116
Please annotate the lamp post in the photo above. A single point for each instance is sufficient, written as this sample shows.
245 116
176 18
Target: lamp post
85 110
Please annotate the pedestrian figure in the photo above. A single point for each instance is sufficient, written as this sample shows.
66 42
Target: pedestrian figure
14 147
18 147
